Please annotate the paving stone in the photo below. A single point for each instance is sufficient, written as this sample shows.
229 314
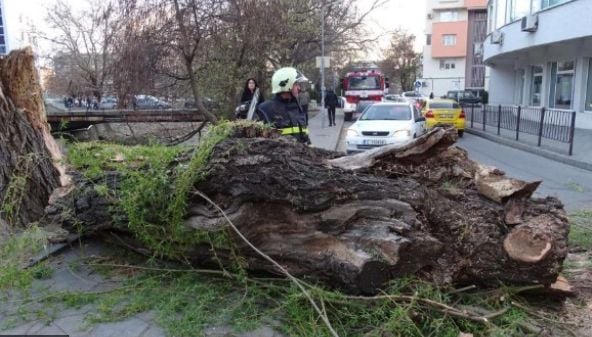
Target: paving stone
18 330
154 331
264 331
73 323
218 331
132 327
42 328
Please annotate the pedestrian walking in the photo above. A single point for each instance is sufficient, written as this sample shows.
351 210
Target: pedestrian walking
331 102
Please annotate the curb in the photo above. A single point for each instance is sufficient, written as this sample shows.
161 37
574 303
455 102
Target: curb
341 122
531 149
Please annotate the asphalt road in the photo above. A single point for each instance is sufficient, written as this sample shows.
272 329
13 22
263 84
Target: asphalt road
573 186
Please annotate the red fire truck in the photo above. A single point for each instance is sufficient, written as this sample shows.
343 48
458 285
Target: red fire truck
362 87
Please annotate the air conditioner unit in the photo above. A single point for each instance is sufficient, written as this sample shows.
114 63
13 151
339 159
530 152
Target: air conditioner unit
529 23
497 37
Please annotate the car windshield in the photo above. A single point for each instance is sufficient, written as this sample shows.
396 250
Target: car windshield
364 82
444 105
387 112
412 94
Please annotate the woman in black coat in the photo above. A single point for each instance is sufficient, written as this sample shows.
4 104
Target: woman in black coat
249 91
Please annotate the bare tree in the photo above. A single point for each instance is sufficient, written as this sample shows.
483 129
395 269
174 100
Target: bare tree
400 60
86 38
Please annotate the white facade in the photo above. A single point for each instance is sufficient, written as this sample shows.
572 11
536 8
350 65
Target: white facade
452 55
550 66
442 75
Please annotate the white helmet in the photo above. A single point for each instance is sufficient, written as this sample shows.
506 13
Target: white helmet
283 79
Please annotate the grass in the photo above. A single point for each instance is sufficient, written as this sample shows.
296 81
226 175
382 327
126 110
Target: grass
580 234
185 303
15 252
574 186
153 189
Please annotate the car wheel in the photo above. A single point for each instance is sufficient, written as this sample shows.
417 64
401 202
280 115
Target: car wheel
461 133
347 116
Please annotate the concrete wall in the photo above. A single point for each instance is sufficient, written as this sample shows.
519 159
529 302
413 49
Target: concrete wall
504 92
475 4
458 28
567 21
445 4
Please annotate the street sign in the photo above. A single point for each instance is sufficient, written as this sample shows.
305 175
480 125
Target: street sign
326 64
418 84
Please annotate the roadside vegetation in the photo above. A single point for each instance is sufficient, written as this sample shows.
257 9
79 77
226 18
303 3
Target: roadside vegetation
580 234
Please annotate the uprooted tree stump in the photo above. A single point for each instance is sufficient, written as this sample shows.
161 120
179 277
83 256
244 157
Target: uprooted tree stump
29 171
355 222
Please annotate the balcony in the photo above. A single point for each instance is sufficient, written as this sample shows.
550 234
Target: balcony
567 23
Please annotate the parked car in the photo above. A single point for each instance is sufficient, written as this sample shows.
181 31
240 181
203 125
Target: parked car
412 94
360 108
108 102
394 98
150 102
463 97
208 103
385 123
444 112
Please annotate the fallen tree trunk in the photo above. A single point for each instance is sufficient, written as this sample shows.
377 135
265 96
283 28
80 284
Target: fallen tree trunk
28 154
355 222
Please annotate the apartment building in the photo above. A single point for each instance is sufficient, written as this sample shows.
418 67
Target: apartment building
540 54
3 37
453 53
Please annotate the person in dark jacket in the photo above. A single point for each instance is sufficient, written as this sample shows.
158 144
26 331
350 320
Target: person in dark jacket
246 97
283 111
249 90
331 102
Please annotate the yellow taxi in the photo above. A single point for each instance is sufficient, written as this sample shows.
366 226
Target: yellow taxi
444 112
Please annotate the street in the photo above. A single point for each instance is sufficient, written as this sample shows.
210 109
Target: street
573 186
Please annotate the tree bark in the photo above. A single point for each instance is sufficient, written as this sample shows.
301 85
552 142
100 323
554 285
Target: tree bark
359 221
28 153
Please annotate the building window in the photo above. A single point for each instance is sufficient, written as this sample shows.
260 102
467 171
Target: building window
536 86
428 39
550 3
449 39
561 84
478 49
588 106
448 16
447 64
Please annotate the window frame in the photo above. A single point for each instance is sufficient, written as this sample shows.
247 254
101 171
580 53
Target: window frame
451 38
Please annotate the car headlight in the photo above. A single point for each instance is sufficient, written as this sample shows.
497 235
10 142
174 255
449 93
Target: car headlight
352 133
402 134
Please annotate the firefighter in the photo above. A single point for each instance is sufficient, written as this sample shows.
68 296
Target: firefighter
283 111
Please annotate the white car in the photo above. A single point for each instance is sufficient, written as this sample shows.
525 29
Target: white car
385 123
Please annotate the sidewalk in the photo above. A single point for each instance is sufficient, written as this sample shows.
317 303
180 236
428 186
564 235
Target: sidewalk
326 137
582 149
69 274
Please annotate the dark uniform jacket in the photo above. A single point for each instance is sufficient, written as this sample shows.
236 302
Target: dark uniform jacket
286 116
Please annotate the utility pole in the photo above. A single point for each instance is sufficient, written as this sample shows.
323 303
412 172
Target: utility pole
323 111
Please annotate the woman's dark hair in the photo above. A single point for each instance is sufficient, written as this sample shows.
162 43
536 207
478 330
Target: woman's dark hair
247 83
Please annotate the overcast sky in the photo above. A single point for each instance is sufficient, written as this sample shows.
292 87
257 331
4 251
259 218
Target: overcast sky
405 14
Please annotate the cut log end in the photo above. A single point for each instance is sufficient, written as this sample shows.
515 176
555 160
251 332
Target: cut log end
526 246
